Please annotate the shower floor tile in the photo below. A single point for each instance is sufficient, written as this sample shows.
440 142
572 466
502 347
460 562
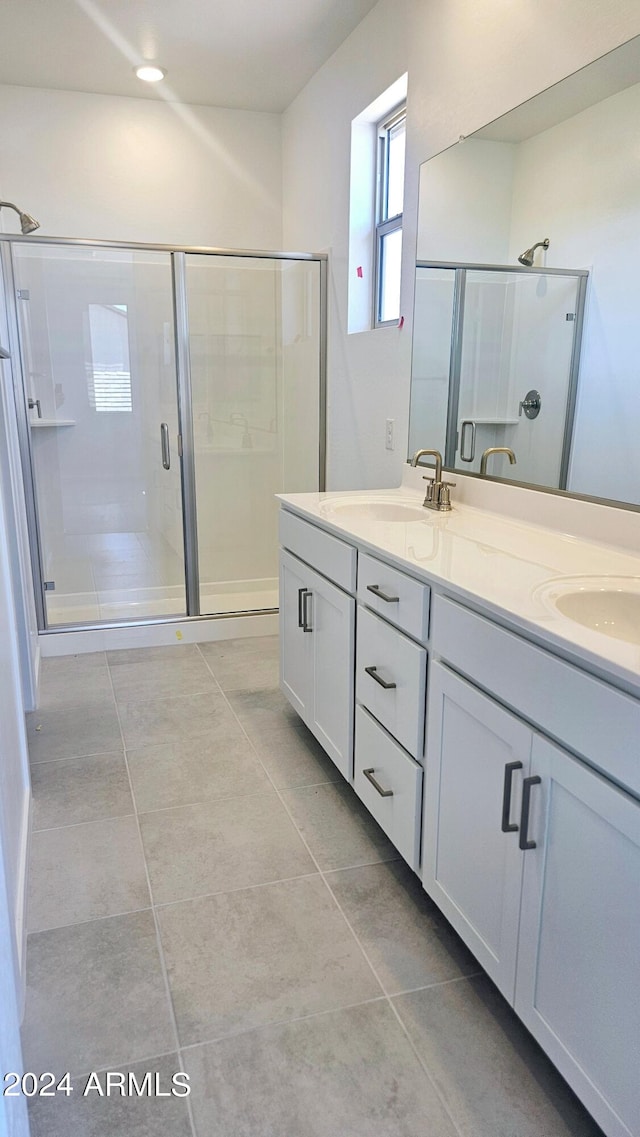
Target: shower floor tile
285 959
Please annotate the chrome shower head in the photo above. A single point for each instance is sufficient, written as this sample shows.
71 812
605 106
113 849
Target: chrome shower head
27 223
526 258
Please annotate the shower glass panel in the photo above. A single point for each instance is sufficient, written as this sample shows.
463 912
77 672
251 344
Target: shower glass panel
97 345
517 335
254 345
430 365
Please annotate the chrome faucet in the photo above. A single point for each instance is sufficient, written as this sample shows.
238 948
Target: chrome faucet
495 450
437 495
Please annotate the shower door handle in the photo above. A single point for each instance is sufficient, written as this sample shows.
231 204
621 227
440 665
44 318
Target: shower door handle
164 443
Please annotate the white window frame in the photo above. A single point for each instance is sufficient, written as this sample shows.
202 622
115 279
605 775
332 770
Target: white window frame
384 224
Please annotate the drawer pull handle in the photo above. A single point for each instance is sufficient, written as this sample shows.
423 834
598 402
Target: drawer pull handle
373 672
508 826
525 843
375 588
376 785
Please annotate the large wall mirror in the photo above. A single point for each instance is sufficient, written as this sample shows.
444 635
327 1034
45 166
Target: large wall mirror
527 301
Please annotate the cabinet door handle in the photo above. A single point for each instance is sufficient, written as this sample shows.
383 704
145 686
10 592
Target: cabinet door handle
301 592
508 826
306 626
527 783
373 672
376 784
375 588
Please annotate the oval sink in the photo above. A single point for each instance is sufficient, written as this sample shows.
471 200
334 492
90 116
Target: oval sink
609 605
395 511
614 613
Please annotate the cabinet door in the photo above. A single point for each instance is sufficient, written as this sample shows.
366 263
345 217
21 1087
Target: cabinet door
471 867
577 987
331 617
296 652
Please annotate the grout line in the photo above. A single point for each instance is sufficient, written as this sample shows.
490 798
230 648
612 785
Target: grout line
91 920
437 983
126 1065
91 821
355 937
230 891
283 1022
163 966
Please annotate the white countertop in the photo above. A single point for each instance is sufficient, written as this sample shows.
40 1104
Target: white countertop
502 563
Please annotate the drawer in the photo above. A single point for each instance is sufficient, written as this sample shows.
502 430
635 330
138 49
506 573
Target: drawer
394 797
395 691
331 557
398 597
576 709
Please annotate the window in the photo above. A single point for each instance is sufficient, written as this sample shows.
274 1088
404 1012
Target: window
388 231
109 377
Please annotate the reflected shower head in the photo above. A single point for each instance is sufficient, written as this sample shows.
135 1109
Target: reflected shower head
526 258
27 223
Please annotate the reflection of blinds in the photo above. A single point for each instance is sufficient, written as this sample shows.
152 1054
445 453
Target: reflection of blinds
111 389
109 372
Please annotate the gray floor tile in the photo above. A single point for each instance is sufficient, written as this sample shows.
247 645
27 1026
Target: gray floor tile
243 959
219 765
493 1076
407 939
338 829
350 1073
72 732
115 1115
85 872
220 845
294 757
80 789
71 679
244 664
263 711
153 672
165 720
95 996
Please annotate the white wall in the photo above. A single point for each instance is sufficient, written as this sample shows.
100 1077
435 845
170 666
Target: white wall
138 170
465 64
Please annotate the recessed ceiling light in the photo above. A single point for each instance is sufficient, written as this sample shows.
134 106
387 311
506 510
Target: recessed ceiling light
150 73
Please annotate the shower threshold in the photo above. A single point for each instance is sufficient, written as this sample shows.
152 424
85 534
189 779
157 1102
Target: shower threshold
114 605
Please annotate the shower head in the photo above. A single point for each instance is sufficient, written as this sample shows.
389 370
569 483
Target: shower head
27 223
526 258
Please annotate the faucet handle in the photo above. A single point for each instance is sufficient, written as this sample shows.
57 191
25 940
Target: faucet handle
430 486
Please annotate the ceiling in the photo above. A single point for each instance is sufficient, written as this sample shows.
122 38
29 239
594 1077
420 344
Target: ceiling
248 54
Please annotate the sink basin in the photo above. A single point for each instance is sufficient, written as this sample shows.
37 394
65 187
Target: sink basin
373 510
609 605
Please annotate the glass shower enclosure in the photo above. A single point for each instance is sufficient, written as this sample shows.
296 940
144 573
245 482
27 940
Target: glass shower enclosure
164 396
495 363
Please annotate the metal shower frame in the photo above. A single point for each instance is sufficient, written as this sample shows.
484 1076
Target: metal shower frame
178 255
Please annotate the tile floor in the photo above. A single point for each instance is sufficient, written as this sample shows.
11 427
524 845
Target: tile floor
207 895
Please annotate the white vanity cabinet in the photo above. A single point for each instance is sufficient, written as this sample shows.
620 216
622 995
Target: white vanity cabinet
534 857
317 633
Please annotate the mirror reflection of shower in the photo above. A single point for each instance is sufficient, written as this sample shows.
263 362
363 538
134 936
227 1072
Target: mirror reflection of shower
528 256
28 224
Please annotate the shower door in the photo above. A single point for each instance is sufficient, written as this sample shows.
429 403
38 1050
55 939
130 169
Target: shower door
254 350
97 347
518 332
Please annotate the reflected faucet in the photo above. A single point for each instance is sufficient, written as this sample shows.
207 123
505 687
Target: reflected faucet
437 495
495 450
